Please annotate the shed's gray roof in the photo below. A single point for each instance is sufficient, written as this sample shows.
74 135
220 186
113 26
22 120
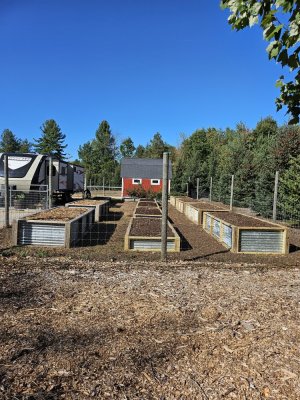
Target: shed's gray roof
143 168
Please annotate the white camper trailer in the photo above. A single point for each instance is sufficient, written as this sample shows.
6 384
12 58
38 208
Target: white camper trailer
27 171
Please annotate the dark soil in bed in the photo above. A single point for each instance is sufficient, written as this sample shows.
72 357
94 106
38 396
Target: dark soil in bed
186 199
208 206
148 211
147 227
147 203
241 220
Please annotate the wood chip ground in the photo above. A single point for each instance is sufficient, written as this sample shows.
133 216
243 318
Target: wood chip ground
96 322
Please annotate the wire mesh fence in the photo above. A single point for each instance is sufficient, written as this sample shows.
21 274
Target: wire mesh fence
23 202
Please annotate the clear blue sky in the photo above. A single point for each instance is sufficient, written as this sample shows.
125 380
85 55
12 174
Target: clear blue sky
143 65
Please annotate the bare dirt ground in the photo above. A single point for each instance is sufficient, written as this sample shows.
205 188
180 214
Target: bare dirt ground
96 322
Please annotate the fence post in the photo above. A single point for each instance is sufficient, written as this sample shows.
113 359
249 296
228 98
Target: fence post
103 186
231 192
50 182
6 192
210 188
187 189
198 188
275 196
164 219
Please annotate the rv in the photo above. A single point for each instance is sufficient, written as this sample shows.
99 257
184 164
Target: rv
28 171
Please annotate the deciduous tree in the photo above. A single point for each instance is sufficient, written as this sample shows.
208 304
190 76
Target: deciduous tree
280 21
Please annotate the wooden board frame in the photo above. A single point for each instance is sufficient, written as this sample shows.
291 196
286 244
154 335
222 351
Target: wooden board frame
128 238
201 211
68 241
101 209
147 215
235 248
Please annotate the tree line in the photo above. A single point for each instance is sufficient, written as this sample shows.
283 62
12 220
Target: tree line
252 155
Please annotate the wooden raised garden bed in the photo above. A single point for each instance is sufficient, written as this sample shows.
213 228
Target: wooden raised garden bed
144 234
244 234
60 226
147 209
101 207
194 211
181 203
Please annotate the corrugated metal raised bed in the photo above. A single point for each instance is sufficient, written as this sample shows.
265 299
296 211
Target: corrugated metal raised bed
60 226
147 209
144 234
101 207
245 234
181 203
194 211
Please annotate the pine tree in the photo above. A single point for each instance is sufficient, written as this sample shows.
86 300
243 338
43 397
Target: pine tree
9 142
52 140
127 148
289 189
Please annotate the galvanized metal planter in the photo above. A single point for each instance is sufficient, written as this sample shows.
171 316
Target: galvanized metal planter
195 214
155 214
101 209
269 239
150 243
52 233
182 202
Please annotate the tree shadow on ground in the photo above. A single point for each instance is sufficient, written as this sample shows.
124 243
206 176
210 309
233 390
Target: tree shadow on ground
184 244
293 248
99 233
112 216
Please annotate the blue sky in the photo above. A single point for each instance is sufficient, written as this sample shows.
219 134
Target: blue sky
143 65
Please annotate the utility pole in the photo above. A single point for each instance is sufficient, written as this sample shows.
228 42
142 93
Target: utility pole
6 184
164 219
198 188
275 196
231 192
50 182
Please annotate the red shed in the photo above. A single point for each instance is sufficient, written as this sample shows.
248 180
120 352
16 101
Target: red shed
143 172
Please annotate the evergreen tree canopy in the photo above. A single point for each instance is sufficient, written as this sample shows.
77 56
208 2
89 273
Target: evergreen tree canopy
99 156
127 148
9 143
289 188
52 140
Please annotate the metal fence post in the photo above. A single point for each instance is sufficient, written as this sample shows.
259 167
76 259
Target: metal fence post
231 192
6 193
198 188
50 182
164 219
275 196
210 188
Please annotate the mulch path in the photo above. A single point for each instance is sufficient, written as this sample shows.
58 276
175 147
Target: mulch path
78 329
